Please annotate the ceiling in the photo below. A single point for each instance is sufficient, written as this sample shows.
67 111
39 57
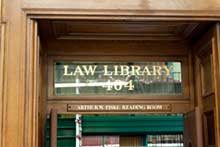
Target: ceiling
121 30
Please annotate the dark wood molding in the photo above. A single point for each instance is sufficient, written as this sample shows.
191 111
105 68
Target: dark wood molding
2 80
122 30
135 98
216 73
176 108
53 128
20 94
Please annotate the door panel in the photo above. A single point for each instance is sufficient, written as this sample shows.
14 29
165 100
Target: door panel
216 64
193 129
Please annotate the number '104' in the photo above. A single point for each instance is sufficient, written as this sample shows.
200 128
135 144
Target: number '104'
119 85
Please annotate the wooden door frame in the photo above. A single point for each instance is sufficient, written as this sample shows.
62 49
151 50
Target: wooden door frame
29 98
31 19
216 68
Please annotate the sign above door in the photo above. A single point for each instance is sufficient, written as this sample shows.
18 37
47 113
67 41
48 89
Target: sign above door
113 78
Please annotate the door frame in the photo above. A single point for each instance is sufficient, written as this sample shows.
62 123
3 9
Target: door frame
32 56
216 68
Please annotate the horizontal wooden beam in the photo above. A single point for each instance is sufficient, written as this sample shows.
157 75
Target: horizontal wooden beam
123 5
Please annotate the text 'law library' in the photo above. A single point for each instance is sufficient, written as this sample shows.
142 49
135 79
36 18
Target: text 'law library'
111 75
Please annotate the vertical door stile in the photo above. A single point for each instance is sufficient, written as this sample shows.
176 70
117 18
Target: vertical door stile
198 127
53 129
193 129
216 64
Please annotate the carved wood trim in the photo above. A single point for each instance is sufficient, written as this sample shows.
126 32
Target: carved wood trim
175 15
120 30
2 82
32 86
216 65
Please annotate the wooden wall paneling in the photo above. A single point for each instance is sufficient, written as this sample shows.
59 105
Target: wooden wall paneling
14 79
206 67
71 47
209 103
205 130
2 81
216 62
191 80
158 8
32 85
197 75
1 7
20 133
53 128
122 30
3 28
186 78
2 75
41 107
68 37
208 45
44 78
201 45
197 31
42 93
193 129
198 89
199 129
2 11
207 76
135 58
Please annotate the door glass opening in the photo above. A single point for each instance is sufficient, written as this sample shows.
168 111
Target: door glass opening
120 131
168 45
78 78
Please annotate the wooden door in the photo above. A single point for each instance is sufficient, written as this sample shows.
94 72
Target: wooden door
207 79
193 129
216 78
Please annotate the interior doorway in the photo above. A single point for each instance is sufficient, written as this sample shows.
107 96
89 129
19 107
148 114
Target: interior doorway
155 44
120 130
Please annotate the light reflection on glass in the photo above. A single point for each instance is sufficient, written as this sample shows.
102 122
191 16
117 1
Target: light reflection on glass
75 78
